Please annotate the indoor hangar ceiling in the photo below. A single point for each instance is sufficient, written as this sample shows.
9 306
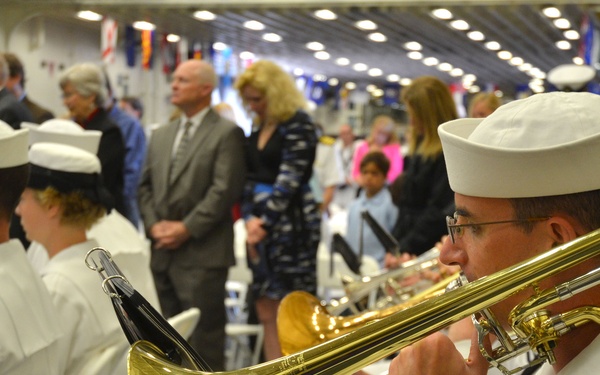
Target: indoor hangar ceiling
518 27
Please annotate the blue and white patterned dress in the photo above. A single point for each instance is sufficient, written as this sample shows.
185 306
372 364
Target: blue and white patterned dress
277 191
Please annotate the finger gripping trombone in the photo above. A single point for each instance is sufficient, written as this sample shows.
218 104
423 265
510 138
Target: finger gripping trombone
371 342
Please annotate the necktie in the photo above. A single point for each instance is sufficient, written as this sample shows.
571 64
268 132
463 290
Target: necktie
177 161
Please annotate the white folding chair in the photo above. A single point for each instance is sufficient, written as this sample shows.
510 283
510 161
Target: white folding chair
186 321
239 353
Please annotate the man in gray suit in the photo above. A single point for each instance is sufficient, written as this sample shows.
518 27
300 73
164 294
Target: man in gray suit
193 174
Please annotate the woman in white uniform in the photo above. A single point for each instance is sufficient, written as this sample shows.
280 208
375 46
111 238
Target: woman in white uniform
63 198
29 332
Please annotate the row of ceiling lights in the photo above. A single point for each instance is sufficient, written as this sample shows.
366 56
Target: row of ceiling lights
414 49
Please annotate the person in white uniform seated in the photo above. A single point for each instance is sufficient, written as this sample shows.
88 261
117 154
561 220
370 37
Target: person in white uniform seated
129 250
30 333
64 197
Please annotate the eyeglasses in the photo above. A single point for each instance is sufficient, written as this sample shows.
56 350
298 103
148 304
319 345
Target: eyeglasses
456 230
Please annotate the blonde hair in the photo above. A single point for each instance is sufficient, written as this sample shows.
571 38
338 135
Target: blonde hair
429 105
78 211
492 102
279 90
383 122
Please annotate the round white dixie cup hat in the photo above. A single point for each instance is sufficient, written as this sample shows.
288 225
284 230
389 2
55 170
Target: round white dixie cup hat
65 132
64 158
571 77
547 144
13 146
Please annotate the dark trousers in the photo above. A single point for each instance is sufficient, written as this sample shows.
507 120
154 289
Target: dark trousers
204 288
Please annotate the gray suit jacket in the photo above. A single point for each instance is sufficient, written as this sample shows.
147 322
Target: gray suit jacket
202 195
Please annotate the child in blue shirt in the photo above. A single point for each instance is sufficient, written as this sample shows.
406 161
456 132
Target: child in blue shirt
375 198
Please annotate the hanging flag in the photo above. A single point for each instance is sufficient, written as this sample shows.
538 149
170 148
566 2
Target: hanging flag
147 36
130 45
197 51
589 47
108 40
182 51
391 93
167 54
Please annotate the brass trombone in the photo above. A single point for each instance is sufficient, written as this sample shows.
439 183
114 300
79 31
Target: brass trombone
354 350
303 322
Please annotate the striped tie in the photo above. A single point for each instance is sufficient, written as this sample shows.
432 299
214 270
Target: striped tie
177 161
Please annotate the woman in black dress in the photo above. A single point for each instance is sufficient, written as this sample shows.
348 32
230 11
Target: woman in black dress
282 218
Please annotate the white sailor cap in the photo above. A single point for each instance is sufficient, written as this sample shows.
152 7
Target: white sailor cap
13 146
65 132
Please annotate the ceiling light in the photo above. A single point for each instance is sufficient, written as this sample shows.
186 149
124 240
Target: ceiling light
535 87
563 44
272 37
516 61
173 38
375 72
551 12
442 14
469 78
325 14
371 88
377 93
474 89
460 25
254 25
219 46
499 93
562 23
205 15
377 37
88 15
537 81
319 78
456 72
322 55
393 78
143 25
415 55
360 67
247 55
333 81
430 61
315 46
504 55
342 61
298 71
405 81
413 46
493 46
571 34
366 25
525 67
444 67
476 36
537 73
350 85
577 60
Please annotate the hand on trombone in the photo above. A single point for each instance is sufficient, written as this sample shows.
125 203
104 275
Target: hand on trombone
437 354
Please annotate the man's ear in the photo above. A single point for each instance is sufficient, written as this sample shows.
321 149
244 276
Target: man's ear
561 230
